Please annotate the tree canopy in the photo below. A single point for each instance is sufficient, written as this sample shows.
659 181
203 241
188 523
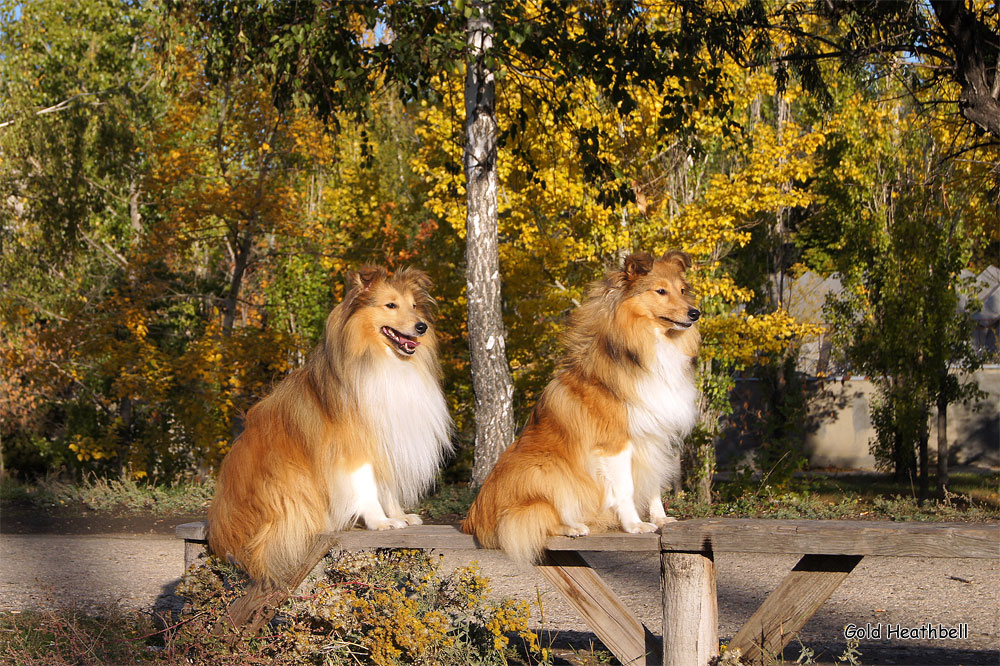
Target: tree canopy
185 186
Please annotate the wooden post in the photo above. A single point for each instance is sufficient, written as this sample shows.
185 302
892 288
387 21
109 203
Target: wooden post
261 601
617 627
690 609
194 552
790 606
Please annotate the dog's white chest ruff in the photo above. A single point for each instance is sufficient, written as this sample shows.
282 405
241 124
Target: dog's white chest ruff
665 408
408 414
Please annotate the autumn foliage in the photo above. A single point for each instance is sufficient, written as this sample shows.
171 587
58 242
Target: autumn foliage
212 226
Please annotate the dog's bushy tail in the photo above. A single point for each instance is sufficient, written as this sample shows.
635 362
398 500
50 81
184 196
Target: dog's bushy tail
268 549
520 531
263 516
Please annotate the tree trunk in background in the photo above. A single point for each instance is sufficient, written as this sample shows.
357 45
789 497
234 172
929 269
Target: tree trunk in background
241 248
942 444
779 232
922 456
491 380
977 54
134 215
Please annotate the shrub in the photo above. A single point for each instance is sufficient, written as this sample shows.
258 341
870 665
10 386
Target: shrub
373 607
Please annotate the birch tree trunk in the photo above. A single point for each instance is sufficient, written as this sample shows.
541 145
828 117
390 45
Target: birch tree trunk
491 380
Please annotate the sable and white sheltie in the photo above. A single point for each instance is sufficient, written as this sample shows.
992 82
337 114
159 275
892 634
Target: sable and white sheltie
604 437
358 432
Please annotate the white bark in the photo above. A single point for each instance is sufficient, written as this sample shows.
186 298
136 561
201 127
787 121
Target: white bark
491 380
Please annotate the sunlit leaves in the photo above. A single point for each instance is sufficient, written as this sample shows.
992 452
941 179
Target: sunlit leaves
565 161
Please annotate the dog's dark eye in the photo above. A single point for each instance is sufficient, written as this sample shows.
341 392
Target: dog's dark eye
684 290
391 306
661 292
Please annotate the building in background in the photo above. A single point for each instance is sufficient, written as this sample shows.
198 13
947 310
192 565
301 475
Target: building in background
838 424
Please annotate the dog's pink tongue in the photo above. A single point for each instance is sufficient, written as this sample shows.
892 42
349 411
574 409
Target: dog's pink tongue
410 345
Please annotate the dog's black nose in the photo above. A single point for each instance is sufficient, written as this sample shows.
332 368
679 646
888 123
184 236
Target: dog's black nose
693 314
421 328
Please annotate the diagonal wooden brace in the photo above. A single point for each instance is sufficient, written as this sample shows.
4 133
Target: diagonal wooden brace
617 627
790 605
261 601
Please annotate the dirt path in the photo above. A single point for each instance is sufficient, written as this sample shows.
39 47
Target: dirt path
45 570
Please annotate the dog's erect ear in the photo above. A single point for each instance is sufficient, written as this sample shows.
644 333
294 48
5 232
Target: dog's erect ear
420 283
682 259
637 265
416 277
363 278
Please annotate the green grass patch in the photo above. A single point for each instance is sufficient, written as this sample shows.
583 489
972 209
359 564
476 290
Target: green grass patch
805 506
972 497
70 636
448 502
124 495
967 488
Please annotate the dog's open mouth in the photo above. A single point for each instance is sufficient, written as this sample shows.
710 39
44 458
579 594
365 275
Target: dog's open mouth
404 343
678 324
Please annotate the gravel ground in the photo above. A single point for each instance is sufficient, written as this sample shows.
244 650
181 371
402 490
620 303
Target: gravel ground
47 570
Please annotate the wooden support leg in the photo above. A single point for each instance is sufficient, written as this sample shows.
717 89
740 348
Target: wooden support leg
194 552
617 627
791 604
690 609
260 602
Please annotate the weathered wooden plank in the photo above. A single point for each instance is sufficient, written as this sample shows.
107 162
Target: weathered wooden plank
261 601
450 537
257 606
790 605
690 609
192 531
447 537
833 537
617 627
607 541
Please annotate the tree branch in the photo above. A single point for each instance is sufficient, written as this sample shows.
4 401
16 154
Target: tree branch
65 104
972 42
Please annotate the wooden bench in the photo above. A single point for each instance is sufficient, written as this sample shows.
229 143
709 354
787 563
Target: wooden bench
830 550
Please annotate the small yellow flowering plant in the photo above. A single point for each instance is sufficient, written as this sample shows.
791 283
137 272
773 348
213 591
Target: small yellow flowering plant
386 608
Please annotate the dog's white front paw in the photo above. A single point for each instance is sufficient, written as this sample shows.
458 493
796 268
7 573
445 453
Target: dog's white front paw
639 528
661 521
385 524
413 519
577 530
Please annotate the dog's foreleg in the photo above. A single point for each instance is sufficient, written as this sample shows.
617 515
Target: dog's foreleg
617 471
364 492
394 510
657 515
